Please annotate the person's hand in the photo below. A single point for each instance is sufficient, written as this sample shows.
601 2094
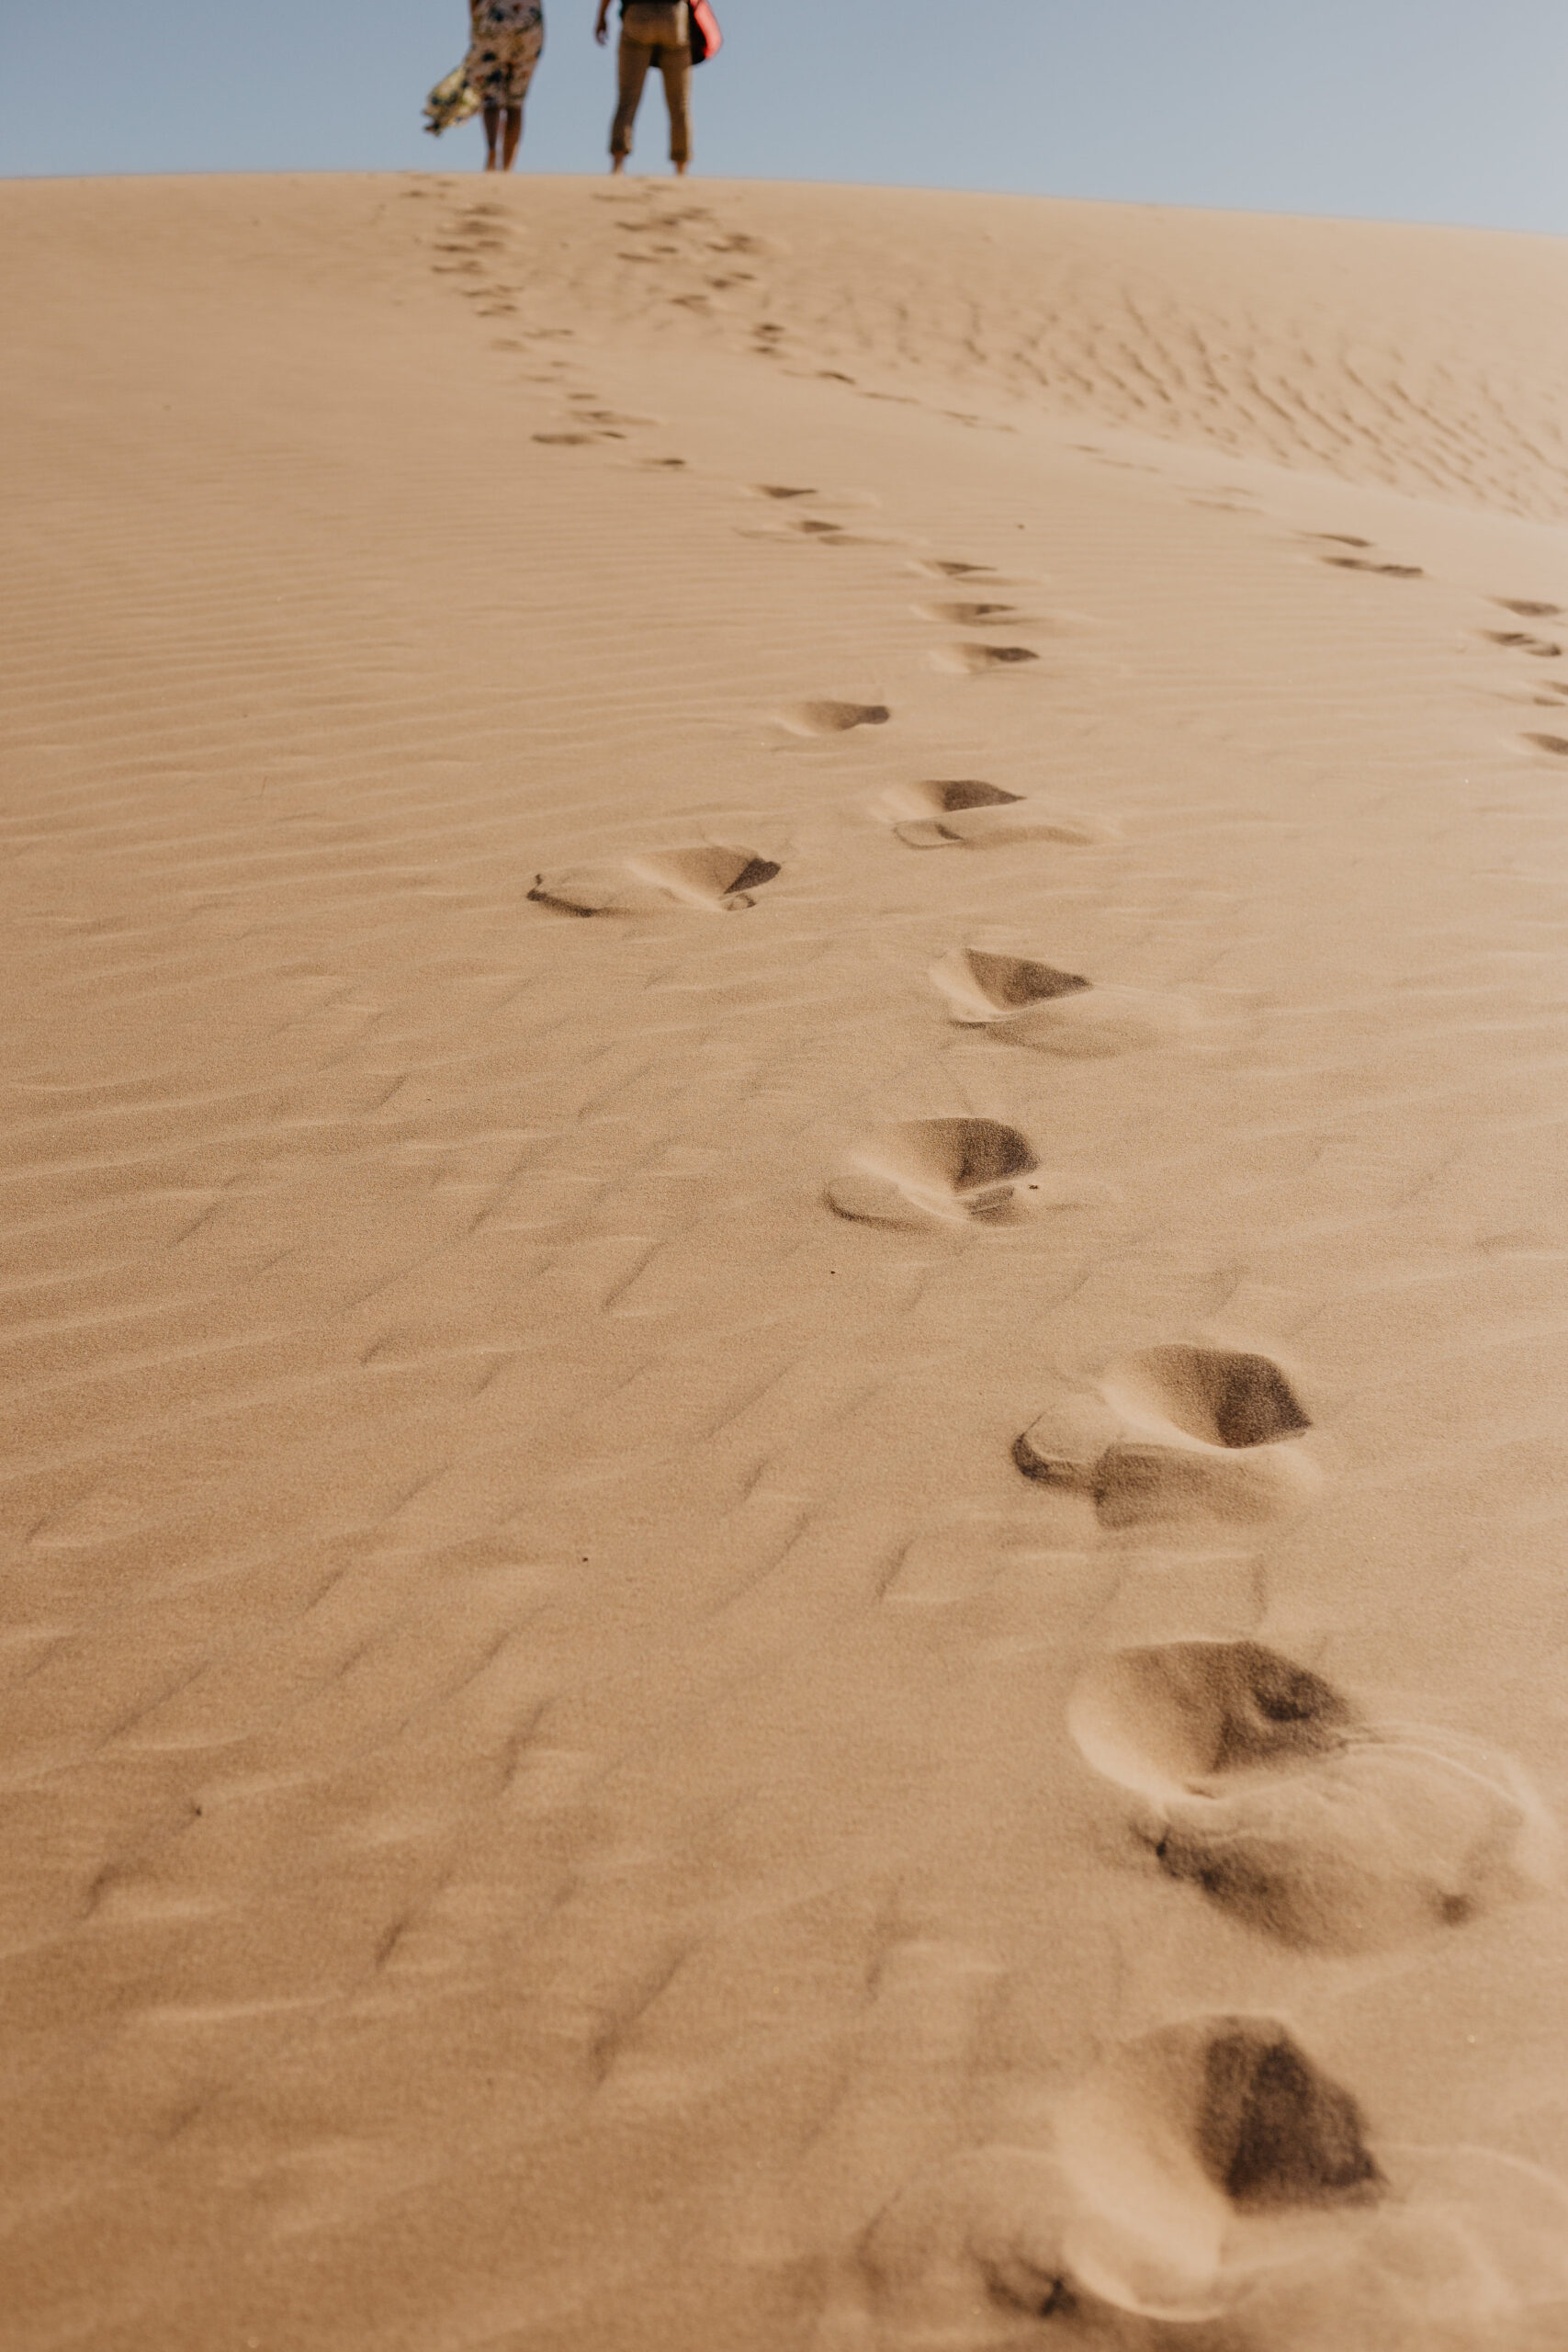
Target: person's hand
601 29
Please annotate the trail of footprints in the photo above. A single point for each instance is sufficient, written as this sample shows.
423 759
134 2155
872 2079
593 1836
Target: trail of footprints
1207 2185
477 248
1546 693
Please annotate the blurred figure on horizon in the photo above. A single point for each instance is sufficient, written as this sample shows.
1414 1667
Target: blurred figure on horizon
653 32
506 36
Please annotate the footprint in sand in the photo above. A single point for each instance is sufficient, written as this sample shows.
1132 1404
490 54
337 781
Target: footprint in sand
972 660
953 1172
1529 609
943 568
713 879
1556 745
1366 563
1211 2186
1177 1433
1030 1003
968 615
824 529
614 420
1519 640
965 813
817 718
1261 1784
821 532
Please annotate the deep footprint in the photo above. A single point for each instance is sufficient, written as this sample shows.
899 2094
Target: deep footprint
983 987
714 879
964 812
1190 2164
975 660
1177 1433
1362 563
609 416
1262 1785
1030 1003
831 717
1556 745
1520 641
966 615
949 1171
1173 1719
1251 2111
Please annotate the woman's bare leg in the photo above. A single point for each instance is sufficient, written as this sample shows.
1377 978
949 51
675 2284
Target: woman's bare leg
492 133
514 137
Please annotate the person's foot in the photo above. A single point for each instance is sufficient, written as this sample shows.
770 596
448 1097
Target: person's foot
617 163
679 171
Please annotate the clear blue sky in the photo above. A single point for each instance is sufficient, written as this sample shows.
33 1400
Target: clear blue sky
1408 109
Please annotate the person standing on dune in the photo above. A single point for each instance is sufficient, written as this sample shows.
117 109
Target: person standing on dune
653 32
507 39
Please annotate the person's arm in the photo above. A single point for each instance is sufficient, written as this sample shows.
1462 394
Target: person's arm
601 29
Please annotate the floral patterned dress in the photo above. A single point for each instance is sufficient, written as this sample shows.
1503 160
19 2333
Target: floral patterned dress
508 36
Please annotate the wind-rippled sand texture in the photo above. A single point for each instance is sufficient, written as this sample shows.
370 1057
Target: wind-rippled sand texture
596 1755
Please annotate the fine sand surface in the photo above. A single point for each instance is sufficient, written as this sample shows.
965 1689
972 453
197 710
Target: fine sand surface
786 1274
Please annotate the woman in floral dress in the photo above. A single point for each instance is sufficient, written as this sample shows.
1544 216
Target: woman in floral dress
507 35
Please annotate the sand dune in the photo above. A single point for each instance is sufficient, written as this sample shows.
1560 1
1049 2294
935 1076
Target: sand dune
835 1628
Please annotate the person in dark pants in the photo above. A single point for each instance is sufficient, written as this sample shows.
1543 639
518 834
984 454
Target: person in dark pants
653 32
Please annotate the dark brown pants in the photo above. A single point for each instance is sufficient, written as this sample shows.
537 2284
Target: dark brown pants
655 32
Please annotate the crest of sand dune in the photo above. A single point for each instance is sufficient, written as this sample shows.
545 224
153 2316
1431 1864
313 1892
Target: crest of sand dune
838 1627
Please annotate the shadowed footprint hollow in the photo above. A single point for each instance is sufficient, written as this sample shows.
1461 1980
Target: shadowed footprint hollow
1263 1786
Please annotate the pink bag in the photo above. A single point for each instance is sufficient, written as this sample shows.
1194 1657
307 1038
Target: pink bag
707 38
